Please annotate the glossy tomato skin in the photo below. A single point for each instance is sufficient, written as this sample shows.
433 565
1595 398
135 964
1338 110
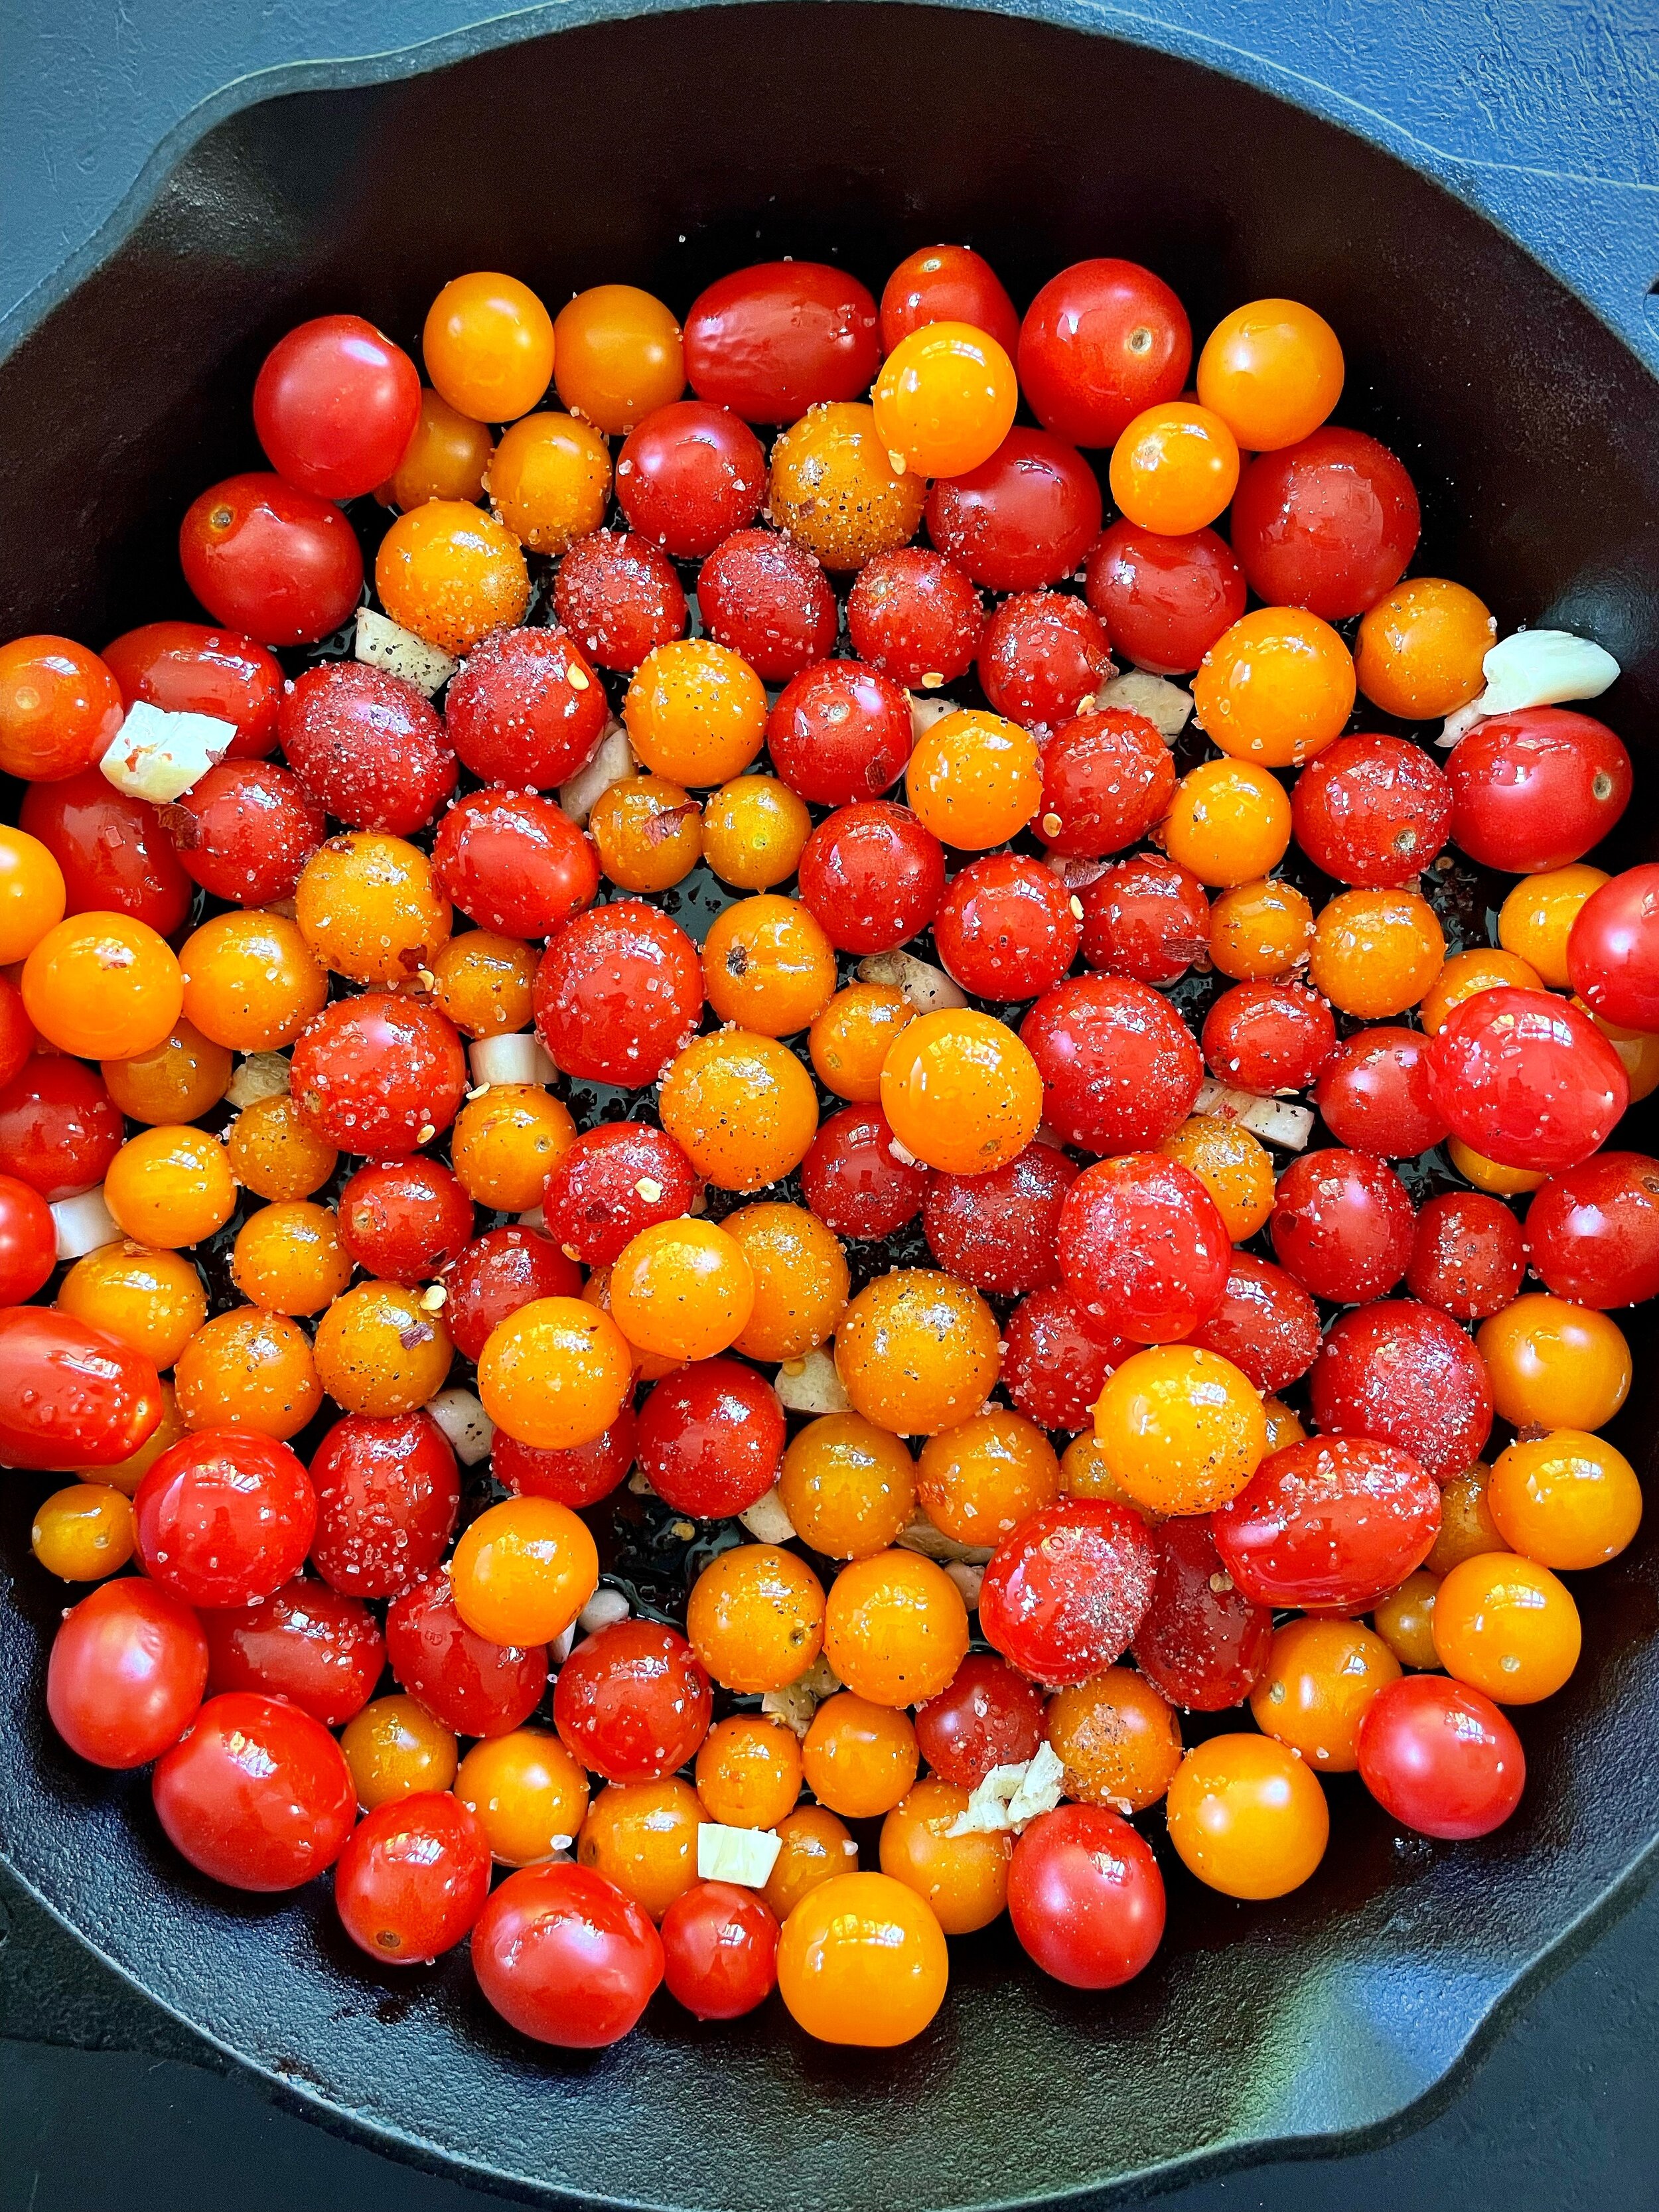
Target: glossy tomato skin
720 1950
947 284
526 710
1330 1525
1164 600
1593 1232
770 341
1107 777
335 403
1266 1324
1066 1590
618 597
840 732
1043 655
688 475
1146 918
413 1877
379 1075
189 668
914 616
257 1795
618 994
499 1272
59 1127
515 862
767 598
28 1242
633 1702
473 1686
225 1516
1342 1224
368 747
987 1715
1201 1641
1469 1256
1021 520
565 1957
1006 929
114 850
127 1668
1536 789
388 1494
1327 524
70 1396
276 562
997 1231
1405 1374
1374 1093
1085 1897
852 1179
1372 810
1526 1079
1144 1252
245 829
1440 1757
305 1644
1121 1068
872 876
17 1035
710 1438
1269 1037
404 1220
1101 341
1053 1367
594 1204
1613 952
577 1475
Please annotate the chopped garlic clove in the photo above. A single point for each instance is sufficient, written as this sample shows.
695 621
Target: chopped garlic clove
1041 1786
929 989
1165 705
796 1702
933 1544
745 1856
465 1422
603 1610
383 643
613 761
1534 668
766 1520
561 1646
158 755
924 713
812 1385
84 1224
1011 1796
1275 1121
261 1075
518 1058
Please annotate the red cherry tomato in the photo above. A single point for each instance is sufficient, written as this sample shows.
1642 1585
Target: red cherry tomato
413 1877
515 862
305 1644
997 1230
334 404
1042 657
1374 1093
388 1494
1120 1066
114 850
618 597
225 1516
1406 1375
498 1273
1330 1525
257 1795
1107 778
1201 1642
946 284
872 876
770 341
404 1220
1468 1255
1269 1037
59 1127
1146 918
914 617
126 1673
688 475
1371 810
1593 1232
612 1182
379 1075
986 1715
720 1950
1266 1324
368 747
840 732
1021 520
618 994
60 708
526 710
28 1242
1327 524
1053 1367
1006 929
1164 600
633 1702
855 1182
564 1956
1441 1757
1085 1897
473 1687
576 1476
244 830
17 1036
1066 1591
1534 790
187 668
71 1395
1526 1079
1613 952
710 1437
1342 1224
1100 342
763 596
1143 1249
270 559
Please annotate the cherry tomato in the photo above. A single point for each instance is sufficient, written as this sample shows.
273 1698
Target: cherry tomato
496 1274
1085 1897
1121 1068
1372 810
1468 1255
475 1688
28 1242
1053 1366
567 1957
225 1517
368 747
526 710
403 1220
306 1645
767 598
1441 1757
997 1230
378 1073
986 1715
946 284
187 668
710 1438
257 1795
1330 1525
60 708
1266 1324
1593 1230
387 1497
1536 789
1201 1641
276 562
618 597
1100 342
618 994
614 1181
863 1960
853 1181
577 1475
244 832
1107 778
1526 1080
59 1128
1375 1094
487 345
335 403
1273 370
1143 1250
71 1395
127 1671
1146 918
1328 524
771 341
1022 519
633 1701
914 617
17 1037
1613 952
114 850
1342 1224
1248 1816
872 876
688 476
515 862
1269 1037
1066 1590
1166 600
720 1950
840 732
413 1877
1406 1375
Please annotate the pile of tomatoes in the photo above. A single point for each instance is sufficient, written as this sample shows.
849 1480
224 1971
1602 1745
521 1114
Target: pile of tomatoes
381 1105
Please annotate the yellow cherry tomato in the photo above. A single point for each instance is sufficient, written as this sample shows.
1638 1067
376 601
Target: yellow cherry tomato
395 1748
504 1145
847 1486
944 399
767 966
1248 1816
1536 918
1175 468
963 1878
248 1369
894 1628
1229 823
817 1847
451 574
170 1186
835 490
1568 1500
289 1258
681 1288
550 482
748 1771
858 1758
801 1278
1273 372
974 779
863 1960
961 1091
529 1794
1375 953
1261 931
274 1151
695 712
1232 1166
643 1835
1275 689
1508 1626
1319 1680
556 1373
251 981
1481 967
83 1532
741 1107
1554 1364
1183 1429
31 894
850 1039
380 1351
1118 1738
523 1570
754 831
487 345
1466 1526
482 983
102 986
982 1478
367 907
649 833
917 1351
1405 1620
449 458
154 1300
756 1617
617 356
184 1077
1421 647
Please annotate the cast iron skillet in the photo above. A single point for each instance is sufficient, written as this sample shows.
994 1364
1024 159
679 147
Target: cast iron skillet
664 151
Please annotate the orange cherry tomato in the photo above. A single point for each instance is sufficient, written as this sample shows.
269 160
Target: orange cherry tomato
1248 1816
863 1960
